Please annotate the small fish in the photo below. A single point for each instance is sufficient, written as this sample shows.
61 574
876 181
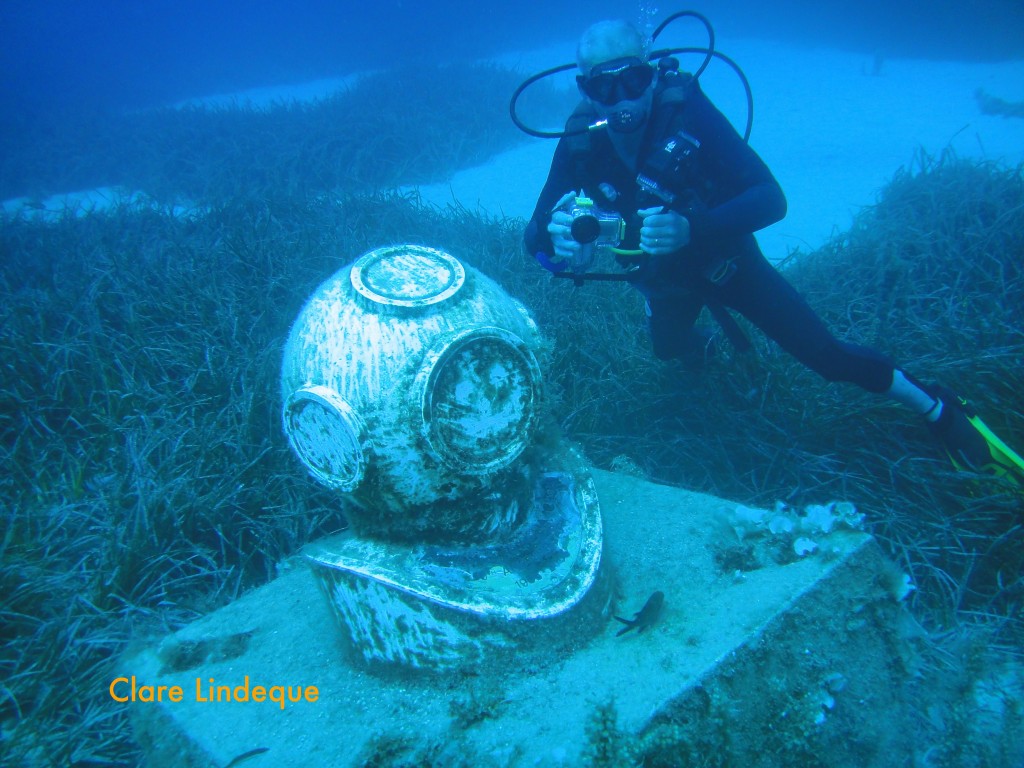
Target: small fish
645 617
246 755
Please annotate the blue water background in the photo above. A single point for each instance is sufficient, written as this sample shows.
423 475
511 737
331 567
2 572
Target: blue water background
57 55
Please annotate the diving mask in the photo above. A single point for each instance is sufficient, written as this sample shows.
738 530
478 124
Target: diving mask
618 80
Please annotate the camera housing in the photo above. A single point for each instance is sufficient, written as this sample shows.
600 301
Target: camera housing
591 225
593 229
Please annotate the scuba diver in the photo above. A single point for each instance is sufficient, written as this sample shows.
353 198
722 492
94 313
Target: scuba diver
650 170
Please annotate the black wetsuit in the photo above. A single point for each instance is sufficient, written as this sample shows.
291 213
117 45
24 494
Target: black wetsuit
727 193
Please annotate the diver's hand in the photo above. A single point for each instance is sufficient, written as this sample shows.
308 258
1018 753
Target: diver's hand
564 246
663 231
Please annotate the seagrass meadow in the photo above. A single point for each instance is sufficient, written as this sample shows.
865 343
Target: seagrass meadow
146 480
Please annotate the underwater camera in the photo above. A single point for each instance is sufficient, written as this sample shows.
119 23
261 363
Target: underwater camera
592 226
600 233
594 229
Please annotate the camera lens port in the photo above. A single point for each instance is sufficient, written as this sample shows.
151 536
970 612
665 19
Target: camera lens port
585 228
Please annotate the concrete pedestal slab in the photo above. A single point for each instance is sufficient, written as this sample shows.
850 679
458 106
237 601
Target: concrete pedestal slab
760 657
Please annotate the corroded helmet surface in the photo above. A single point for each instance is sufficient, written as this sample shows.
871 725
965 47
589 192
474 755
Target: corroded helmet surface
411 383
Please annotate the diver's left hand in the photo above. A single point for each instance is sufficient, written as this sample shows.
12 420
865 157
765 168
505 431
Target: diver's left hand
663 231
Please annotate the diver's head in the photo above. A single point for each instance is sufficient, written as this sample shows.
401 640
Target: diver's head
615 75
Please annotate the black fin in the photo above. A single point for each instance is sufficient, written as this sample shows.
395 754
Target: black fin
629 625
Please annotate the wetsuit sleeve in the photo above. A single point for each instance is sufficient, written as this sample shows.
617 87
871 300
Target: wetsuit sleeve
560 180
747 196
